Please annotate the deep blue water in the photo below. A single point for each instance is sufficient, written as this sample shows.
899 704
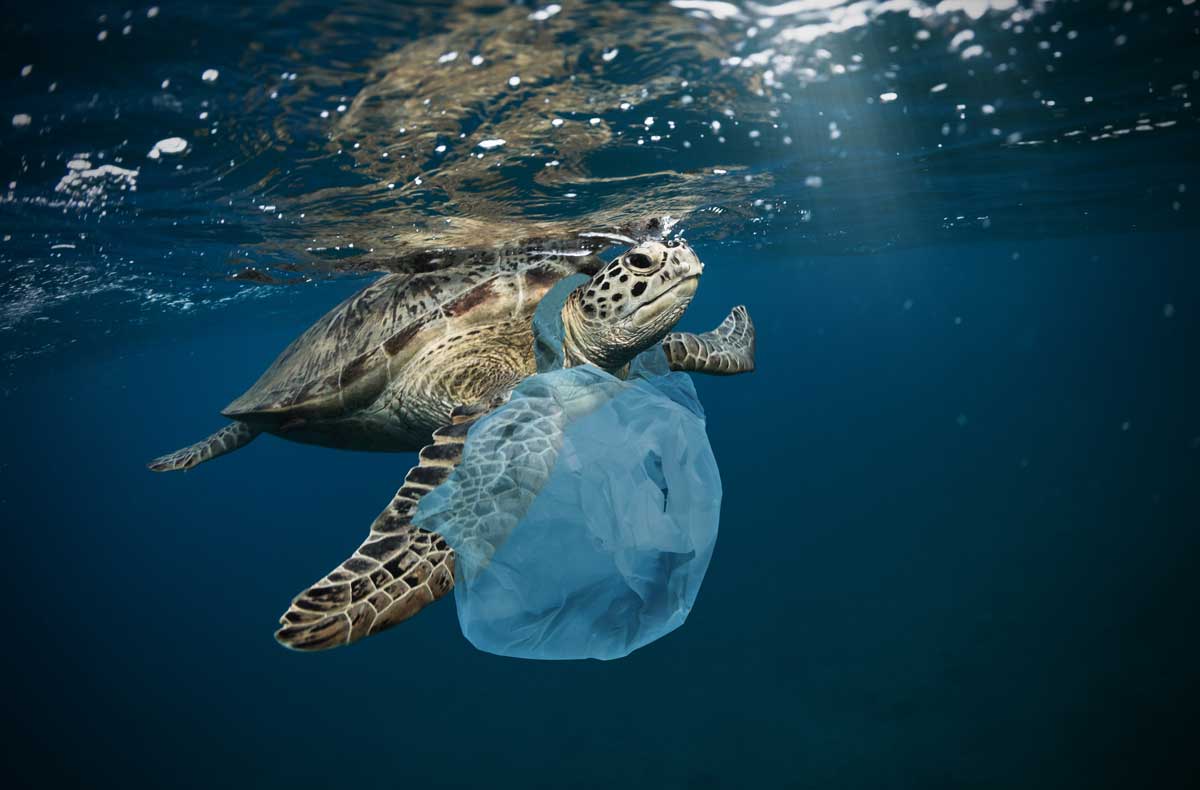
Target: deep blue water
959 539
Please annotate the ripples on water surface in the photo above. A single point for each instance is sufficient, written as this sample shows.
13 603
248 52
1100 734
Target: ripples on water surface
182 157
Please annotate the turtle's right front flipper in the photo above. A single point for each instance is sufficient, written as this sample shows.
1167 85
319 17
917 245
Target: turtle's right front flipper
725 351
397 571
226 440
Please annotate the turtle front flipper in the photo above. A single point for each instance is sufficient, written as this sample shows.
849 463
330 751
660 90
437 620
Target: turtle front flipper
725 351
397 571
226 440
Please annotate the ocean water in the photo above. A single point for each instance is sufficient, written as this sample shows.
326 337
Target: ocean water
959 535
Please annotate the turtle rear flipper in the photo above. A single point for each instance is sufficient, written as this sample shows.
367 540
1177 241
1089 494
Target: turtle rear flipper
725 351
226 440
397 571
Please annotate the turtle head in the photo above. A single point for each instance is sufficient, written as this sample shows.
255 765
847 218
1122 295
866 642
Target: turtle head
630 304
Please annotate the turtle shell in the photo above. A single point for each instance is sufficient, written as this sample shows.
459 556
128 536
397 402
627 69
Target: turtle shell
346 359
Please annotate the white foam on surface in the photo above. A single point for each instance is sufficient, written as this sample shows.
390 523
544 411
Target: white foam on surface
170 145
542 14
85 186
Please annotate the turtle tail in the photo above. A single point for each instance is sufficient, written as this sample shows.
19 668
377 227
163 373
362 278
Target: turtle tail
226 440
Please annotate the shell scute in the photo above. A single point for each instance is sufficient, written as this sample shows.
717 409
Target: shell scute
344 360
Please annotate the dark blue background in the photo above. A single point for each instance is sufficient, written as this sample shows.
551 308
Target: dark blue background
896 599
953 554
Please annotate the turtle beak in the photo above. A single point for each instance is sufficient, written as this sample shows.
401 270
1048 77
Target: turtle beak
682 290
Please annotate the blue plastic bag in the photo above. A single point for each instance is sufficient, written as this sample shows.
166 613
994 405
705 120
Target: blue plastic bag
584 513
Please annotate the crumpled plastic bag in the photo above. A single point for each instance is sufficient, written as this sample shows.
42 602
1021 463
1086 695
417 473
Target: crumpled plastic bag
584 512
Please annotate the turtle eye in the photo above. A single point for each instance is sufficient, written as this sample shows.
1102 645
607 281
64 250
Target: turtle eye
639 261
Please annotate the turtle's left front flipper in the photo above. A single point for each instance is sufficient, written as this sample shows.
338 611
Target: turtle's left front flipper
724 351
397 571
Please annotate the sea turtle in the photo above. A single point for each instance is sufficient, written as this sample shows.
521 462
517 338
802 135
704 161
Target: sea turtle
421 355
